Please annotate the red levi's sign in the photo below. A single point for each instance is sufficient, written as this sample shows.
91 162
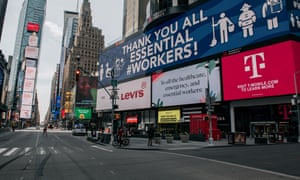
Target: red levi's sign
263 72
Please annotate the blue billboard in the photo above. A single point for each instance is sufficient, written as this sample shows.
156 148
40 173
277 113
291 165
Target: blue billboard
206 30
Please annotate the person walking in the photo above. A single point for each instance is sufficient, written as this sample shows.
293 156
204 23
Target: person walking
120 135
150 135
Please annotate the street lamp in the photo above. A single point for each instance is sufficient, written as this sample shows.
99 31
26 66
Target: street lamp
209 108
297 103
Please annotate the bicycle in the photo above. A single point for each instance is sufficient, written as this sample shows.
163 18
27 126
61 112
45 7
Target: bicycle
124 141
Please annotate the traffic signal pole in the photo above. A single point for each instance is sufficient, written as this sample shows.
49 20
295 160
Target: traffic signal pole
113 96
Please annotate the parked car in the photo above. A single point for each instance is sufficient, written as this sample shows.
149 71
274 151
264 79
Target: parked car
78 129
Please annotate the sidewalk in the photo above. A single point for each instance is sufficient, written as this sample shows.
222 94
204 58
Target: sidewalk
142 144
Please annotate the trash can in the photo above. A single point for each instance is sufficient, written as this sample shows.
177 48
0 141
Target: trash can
106 138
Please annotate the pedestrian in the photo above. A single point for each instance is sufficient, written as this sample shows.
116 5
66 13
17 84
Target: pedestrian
150 135
120 135
45 131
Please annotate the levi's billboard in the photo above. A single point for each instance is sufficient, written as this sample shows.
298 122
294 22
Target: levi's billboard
263 72
208 29
131 95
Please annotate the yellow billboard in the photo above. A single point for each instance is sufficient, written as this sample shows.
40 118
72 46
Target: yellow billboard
169 116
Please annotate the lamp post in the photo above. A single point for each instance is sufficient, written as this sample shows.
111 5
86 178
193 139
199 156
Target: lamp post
209 108
297 103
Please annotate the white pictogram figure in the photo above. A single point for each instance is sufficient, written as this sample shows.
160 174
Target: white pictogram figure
246 20
254 64
101 72
298 22
225 26
108 71
270 10
296 4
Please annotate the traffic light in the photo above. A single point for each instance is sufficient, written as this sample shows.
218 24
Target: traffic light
77 74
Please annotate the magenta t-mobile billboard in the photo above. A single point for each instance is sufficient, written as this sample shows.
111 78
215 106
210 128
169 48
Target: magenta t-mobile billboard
262 72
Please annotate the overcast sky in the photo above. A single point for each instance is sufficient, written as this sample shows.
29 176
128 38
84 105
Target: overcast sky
107 15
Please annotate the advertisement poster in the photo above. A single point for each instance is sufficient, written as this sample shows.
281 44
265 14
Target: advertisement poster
267 71
27 98
208 29
169 116
131 95
83 113
30 72
25 111
28 85
31 52
186 85
86 91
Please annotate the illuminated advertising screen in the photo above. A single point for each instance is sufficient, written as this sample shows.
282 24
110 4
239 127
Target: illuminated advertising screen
83 113
28 85
31 52
25 111
169 116
27 98
208 29
33 27
30 72
86 91
186 85
131 95
267 71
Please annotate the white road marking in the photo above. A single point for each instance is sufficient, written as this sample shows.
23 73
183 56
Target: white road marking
11 152
53 150
2 150
26 151
101 148
41 151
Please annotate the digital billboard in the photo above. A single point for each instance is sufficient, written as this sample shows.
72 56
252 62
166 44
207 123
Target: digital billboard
208 29
86 91
134 94
83 113
186 85
262 72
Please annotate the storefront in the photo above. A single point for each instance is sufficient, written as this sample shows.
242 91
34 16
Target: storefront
261 88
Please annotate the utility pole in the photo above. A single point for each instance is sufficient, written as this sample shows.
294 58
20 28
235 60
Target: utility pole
209 107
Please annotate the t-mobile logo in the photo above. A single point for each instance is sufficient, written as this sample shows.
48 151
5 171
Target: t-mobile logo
256 62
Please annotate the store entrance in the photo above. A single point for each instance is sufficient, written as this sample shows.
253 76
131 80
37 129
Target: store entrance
258 121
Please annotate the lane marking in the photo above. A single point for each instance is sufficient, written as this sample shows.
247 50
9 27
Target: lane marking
41 151
53 150
2 150
11 152
101 148
235 165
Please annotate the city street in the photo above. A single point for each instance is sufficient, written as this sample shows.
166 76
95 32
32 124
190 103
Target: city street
28 154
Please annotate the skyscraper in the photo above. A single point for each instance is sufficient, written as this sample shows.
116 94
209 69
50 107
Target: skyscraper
28 40
3 5
134 16
84 53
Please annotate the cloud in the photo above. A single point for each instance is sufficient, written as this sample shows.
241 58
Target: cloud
54 29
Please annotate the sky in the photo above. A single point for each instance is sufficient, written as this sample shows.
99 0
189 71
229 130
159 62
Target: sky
106 14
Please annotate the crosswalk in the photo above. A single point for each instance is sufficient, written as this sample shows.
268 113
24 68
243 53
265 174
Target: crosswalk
26 151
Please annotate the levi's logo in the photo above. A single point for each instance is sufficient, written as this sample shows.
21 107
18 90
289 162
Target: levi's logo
253 63
132 94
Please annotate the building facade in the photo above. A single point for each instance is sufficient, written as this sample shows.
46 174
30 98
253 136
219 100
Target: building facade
134 16
23 72
83 55
3 5
219 61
